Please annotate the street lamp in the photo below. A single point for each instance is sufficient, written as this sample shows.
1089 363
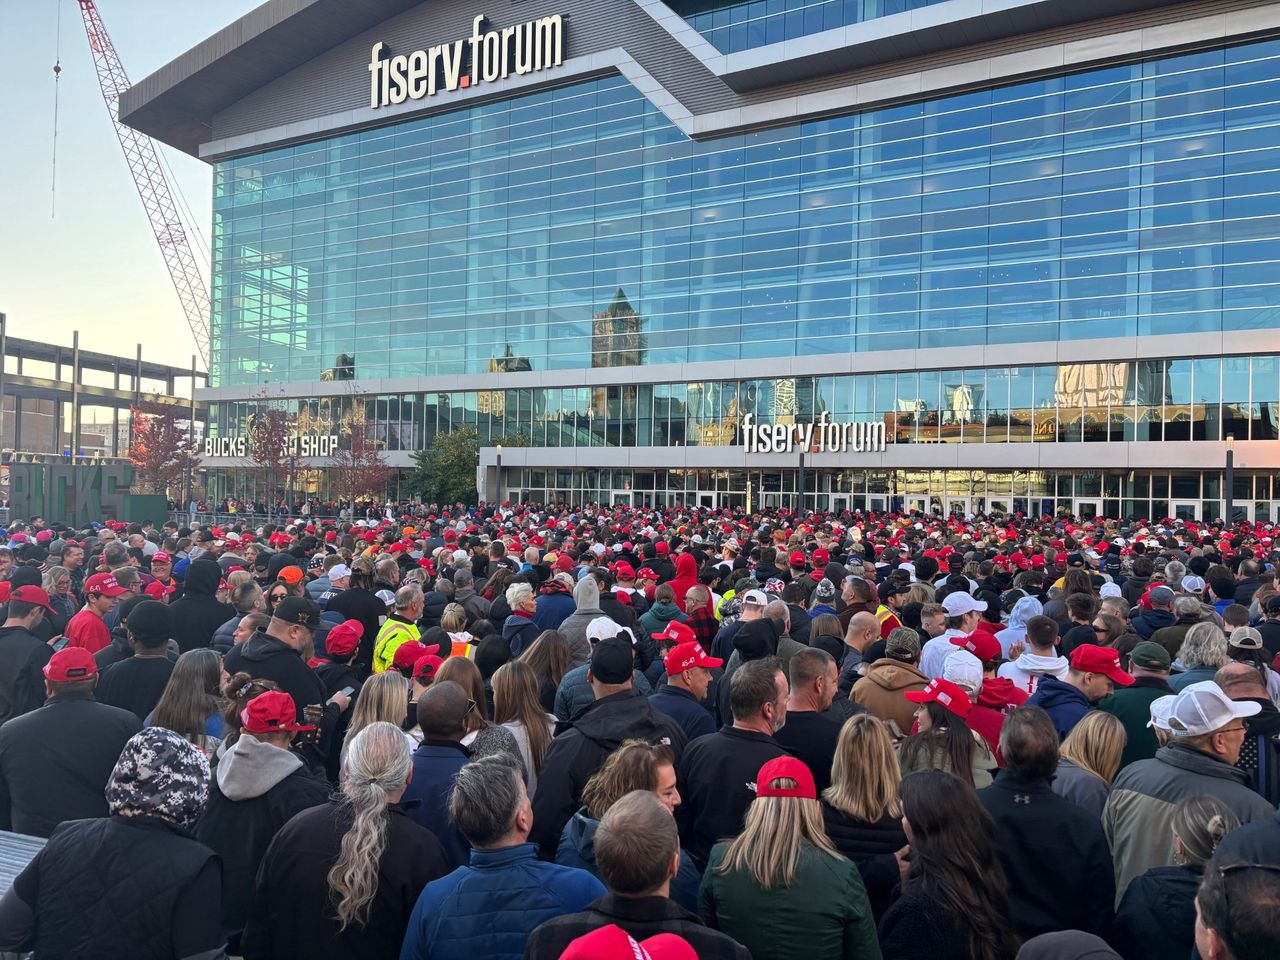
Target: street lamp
498 473
1229 478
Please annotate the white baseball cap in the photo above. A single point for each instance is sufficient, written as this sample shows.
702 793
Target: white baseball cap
958 604
1202 708
1108 590
1160 708
386 596
755 596
602 628
964 670
338 571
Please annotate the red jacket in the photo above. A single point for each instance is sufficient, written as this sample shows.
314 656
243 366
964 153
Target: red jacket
996 698
686 577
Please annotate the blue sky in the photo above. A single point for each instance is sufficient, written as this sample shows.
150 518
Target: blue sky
95 266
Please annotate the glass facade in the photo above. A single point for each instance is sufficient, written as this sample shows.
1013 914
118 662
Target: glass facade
1146 400
577 228
735 25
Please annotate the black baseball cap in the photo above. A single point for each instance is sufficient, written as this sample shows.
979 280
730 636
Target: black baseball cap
892 588
1273 605
298 610
612 660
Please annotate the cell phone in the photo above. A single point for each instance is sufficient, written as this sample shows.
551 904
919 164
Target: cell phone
59 643
347 691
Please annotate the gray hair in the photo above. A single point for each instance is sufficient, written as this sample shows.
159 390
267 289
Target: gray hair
408 595
1186 607
115 554
1205 645
518 593
777 611
1174 571
486 798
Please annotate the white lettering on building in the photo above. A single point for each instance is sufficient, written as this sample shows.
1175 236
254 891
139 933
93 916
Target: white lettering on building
487 55
308 446
822 436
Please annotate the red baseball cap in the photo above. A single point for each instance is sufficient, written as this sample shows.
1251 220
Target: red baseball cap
797 558
271 712
105 584
155 590
343 639
160 557
1091 658
407 654
69 665
614 943
427 666
677 631
944 692
646 573
790 768
982 645
662 547
686 655
624 571
30 593
564 562
821 557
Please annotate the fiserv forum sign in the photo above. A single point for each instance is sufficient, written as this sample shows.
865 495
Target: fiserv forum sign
483 57
822 436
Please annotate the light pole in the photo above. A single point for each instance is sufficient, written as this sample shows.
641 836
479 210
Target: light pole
1229 479
498 474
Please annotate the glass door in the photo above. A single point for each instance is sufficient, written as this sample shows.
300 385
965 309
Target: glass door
917 504
1186 511
1088 509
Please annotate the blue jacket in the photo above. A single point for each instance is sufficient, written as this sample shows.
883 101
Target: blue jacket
1065 704
575 694
520 632
435 765
679 704
1145 624
578 849
553 610
489 908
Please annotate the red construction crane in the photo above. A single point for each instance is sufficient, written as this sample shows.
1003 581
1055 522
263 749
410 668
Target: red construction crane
153 186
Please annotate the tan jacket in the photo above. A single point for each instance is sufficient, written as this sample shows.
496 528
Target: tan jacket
882 687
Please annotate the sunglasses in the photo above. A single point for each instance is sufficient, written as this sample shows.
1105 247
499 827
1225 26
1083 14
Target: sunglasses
1099 629
276 597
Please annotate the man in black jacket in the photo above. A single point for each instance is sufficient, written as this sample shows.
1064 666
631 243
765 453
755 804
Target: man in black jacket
55 761
578 751
258 785
358 602
23 654
717 775
637 854
1054 853
197 613
137 683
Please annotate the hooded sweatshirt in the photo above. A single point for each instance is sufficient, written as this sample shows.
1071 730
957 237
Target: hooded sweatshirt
686 577
1016 631
881 691
257 788
264 657
197 613
1065 704
586 594
1026 671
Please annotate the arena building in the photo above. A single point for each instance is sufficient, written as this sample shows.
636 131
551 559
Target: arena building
1016 255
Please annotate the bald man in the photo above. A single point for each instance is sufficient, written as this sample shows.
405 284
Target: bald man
862 632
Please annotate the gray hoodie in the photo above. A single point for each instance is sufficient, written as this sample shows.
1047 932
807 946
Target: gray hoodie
574 629
250 768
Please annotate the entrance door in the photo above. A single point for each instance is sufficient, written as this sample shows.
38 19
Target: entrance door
1186 511
917 504
1088 509
958 506
878 503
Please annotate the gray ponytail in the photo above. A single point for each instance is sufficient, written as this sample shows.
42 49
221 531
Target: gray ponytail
1200 823
377 764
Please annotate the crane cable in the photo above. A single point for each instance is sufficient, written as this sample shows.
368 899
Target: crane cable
57 75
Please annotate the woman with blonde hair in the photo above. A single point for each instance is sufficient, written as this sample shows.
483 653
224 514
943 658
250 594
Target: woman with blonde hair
516 707
1089 761
1203 651
454 623
635 765
341 879
1157 914
383 697
780 888
861 811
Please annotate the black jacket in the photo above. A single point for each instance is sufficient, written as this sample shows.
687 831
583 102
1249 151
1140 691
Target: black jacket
264 657
1257 842
55 762
872 847
22 658
641 917
812 737
357 603
256 788
290 914
1157 915
918 927
578 750
717 780
197 613
121 888
135 684
1055 857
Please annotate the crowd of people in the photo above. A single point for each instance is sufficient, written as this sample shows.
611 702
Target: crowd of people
508 731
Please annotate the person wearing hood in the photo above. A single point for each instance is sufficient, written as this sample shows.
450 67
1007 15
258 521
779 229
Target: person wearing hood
686 577
258 785
586 596
197 614
1131 705
359 602
520 630
555 602
136 684
22 653
1016 630
756 639
1156 918
973 667
577 752
575 694
662 611
1039 659
1095 672
880 690
133 883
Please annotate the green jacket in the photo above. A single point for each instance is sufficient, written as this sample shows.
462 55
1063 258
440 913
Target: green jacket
824 915
1132 707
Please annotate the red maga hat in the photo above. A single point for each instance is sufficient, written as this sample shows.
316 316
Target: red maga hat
272 712
786 768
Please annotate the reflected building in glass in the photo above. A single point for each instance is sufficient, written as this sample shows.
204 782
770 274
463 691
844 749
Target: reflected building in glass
1040 246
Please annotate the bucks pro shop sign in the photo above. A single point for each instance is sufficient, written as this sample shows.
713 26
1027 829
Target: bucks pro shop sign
483 57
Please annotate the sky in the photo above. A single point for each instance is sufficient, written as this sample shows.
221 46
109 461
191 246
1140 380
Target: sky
93 265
